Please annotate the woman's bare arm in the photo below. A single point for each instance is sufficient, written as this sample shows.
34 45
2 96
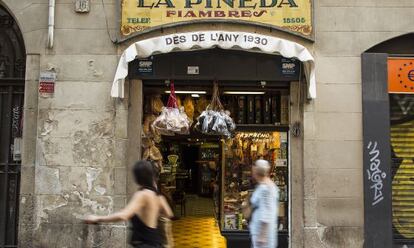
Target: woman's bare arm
125 214
165 208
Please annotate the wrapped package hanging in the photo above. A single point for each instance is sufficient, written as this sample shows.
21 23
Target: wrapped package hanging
149 131
215 120
156 104
172 120
179 103
151 151
202 104
189 107
148 120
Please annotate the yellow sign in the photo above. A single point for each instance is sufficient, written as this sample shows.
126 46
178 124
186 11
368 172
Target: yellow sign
291 15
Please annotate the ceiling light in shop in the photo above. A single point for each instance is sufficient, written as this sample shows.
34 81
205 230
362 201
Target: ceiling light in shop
187 92
195 95
244 92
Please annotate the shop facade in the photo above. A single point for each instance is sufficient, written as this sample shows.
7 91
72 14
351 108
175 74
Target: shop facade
387 156
78 141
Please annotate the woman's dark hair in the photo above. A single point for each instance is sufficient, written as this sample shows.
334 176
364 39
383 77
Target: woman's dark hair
144 175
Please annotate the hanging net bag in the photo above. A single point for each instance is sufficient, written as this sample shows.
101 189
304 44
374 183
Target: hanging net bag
215 120
172 120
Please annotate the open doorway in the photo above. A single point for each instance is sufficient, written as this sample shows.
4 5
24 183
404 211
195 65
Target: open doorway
206 177
196 175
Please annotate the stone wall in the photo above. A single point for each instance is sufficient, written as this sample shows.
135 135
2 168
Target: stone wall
76 148
75 142
334 207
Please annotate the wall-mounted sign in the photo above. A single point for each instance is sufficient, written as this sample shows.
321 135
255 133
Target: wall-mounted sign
290 67
401 75
82 6
193 70
145 67
290 15
47 83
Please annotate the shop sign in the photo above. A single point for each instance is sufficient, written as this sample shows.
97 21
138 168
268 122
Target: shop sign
290 67
193 70
401 75
145 67
47 83
290 15
82 6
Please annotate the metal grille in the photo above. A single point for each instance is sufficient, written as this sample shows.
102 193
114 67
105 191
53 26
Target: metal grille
12 74
402 142
11 106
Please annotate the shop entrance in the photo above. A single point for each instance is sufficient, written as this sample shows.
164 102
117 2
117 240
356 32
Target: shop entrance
388 126
195 174
12 73
206 177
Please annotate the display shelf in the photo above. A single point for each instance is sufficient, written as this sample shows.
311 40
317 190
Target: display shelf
240 153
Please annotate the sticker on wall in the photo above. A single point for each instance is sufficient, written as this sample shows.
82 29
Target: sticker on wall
47 83
401 75
145 66
193 70
289 67
82 6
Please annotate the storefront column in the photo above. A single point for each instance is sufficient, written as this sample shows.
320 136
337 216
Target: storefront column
296 153
134 129
27 181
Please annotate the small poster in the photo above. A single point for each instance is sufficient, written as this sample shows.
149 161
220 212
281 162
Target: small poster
281 163
290 67
145 66
47 81
230 221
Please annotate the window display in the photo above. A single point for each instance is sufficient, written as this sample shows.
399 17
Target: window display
240 153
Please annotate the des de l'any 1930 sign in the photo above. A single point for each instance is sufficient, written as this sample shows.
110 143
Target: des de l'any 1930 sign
290 15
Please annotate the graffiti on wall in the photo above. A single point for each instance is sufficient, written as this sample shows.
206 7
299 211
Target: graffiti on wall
375 174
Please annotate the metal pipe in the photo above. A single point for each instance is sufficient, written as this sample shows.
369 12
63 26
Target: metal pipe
51 24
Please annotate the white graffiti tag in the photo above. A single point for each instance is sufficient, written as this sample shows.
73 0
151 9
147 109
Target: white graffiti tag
375 175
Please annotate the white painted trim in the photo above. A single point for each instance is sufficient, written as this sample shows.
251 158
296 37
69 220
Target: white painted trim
185 42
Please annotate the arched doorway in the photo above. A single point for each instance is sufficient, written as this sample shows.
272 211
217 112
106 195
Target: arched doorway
388 98
216 62
12 76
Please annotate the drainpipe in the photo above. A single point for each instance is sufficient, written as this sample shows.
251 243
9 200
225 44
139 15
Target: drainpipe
51 24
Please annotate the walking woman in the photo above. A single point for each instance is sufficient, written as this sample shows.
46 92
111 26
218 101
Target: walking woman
143 210
264 201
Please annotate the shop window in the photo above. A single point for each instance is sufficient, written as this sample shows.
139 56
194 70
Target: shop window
240 153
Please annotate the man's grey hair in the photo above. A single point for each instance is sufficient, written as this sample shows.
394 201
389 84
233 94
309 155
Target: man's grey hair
262 167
